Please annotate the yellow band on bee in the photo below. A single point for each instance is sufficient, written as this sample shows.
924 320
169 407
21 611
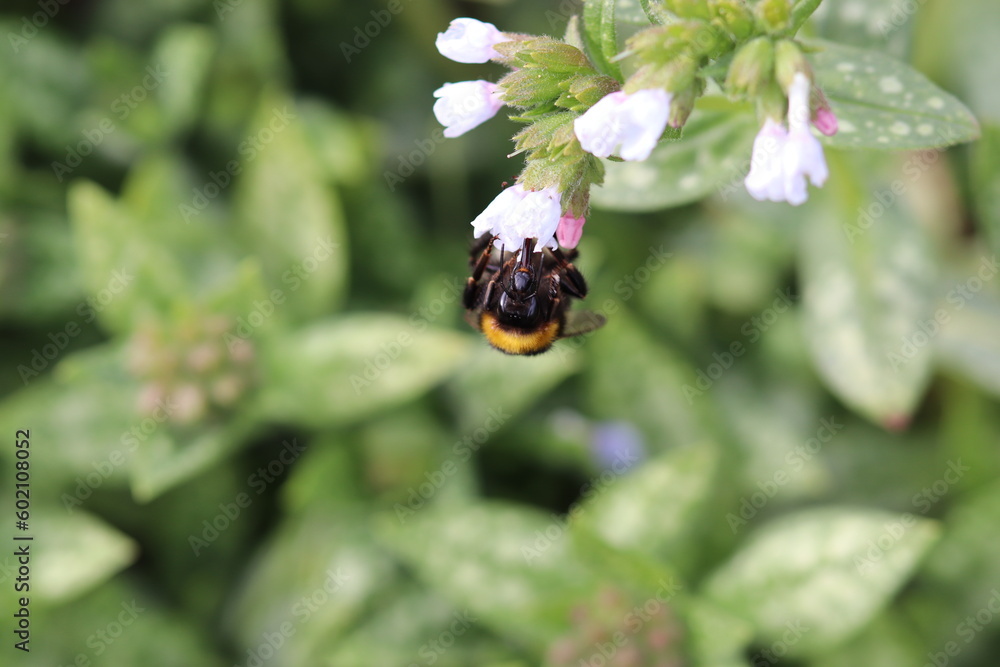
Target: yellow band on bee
516 341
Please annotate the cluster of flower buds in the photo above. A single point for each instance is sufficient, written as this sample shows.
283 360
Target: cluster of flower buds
577 113
620 630
187 369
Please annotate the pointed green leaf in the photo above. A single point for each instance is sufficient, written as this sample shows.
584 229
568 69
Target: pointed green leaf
315 576
126 272
968 341
521 557
172 455
75 553
600 36
715 636
401 632
713 154
985 175
629 512
292 218
801 12
867 288
345 370
820 575
883 103
184 54
659 402
481 383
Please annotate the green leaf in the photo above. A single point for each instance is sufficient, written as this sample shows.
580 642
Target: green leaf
292 218
656 402
956 45
968 343
86 401
883 103
713 154
184 53
628 513
883 26
820 575
600 37
867 290
966 562
342 371
402 631
801 12
715 636
75 553
985 176
652 11
520 556
482 383
172 455
316 576
124 270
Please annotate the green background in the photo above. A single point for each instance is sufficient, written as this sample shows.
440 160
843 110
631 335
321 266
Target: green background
269 238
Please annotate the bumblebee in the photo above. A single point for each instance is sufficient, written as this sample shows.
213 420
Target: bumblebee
520 300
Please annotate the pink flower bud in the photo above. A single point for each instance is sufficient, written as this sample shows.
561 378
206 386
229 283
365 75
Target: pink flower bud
825 121
570 230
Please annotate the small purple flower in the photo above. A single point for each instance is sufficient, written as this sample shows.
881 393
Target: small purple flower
617 445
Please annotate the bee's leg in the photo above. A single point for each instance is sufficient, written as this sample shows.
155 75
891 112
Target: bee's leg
571 279
471 288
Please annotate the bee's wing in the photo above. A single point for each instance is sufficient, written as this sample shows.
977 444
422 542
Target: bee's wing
580 322
472 317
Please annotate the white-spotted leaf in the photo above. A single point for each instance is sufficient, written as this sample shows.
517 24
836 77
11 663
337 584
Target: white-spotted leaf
814 578
883 103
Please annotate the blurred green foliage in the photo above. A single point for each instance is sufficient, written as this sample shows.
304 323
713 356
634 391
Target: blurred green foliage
232 241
